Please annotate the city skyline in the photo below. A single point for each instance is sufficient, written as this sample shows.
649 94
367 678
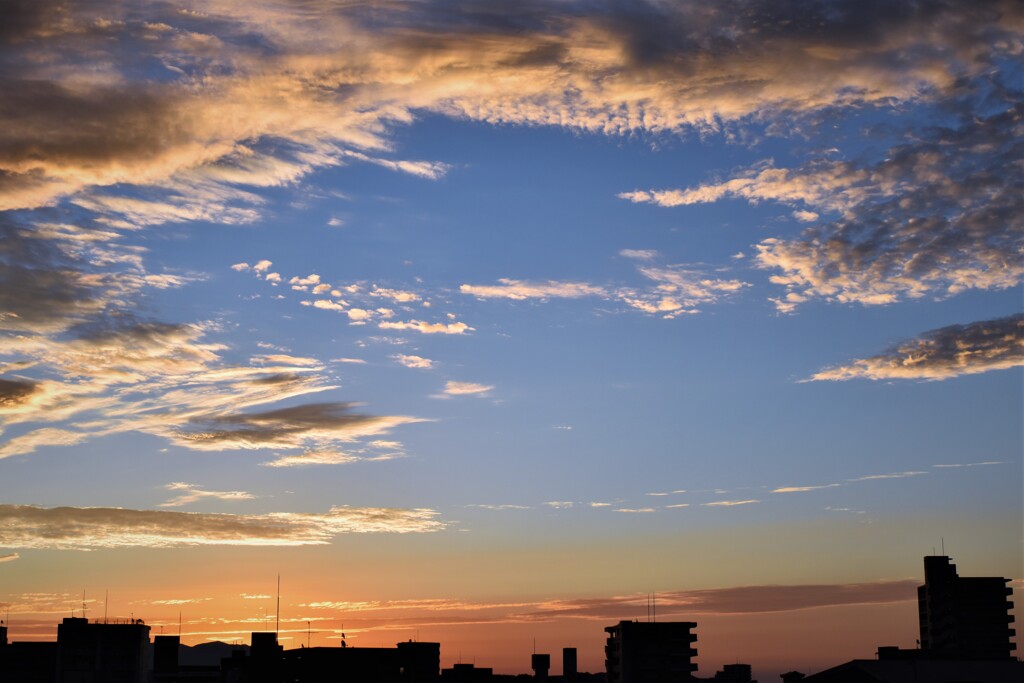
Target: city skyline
485 321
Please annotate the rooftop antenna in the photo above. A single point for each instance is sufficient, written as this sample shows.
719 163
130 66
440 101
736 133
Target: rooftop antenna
83 603
277 624
106 600
648 596
943 545
179 625
654 606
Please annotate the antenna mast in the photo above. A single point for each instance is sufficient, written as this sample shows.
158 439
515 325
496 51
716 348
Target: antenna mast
277 624
106 601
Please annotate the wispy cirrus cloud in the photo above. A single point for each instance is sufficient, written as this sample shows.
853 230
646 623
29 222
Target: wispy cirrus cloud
803 489
730 503
9 557
78 528
738 600
190 493
670 290
455 388
520 290
166 380
942 354
180 601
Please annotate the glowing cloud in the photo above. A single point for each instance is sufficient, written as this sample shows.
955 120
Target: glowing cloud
453 388
418 362
519 290
192 493
426 328
943 354
29 526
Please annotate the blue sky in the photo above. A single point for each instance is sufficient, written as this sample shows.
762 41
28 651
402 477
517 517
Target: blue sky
458 284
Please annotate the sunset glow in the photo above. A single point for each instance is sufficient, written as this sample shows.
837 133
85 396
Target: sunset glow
483 322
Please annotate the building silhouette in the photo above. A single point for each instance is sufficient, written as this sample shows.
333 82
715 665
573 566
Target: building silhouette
467 673
569 670
650 652
964 617
965 636
735 673
112 653
540 664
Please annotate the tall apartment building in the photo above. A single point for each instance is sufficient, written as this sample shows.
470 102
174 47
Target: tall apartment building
650 652
89 652
964 617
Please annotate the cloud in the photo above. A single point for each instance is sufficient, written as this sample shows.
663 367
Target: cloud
325 90
302 426
677 290
76 528
14 392
426 328
559 504
166 380
519 290
418 362
635 510
738 600
453 388
972 464
180 601
330 457
943 354
730 503
802 489
9 557
936 215
43 289
891 475
192 493
397 295
46 436
639 254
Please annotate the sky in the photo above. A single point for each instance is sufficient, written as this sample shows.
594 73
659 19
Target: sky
481 322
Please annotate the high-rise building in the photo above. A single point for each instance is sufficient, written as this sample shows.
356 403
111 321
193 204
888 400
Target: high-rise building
540 663
964 617
650 652
569 668
112 653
